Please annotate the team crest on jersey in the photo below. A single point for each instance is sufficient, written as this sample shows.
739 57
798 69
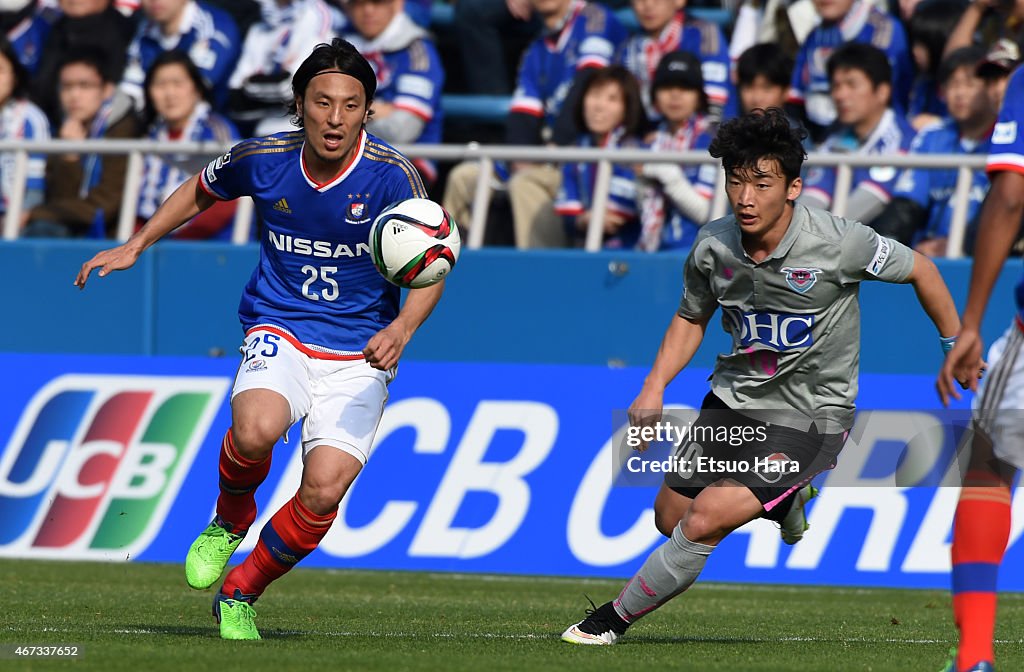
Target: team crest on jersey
801 279
356 210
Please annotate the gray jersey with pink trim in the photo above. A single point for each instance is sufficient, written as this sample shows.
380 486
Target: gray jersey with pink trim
794 317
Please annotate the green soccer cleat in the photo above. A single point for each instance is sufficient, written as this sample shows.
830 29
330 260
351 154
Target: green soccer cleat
235 616
980 666
209 555
795 524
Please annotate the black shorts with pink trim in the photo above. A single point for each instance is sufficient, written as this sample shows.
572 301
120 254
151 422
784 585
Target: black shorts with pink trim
771 460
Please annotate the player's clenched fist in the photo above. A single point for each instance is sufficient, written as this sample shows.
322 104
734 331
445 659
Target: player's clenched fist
385 347
646 410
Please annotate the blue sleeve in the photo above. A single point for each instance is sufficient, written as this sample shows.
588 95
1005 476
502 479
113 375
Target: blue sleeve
706 173
913 183
622 196
224 50
567 202
36 127
527 97
902 67
716 68
1007 151
821 183
231 176
418 85
801 75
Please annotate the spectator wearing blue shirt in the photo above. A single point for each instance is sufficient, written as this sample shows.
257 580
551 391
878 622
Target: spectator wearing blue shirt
260 86
207 34
19 120
410 77
83 191
929 28
860 75
763 73
610 115
577 35
921 210
675 200
844 21
666 29
178 110
85 26
27 28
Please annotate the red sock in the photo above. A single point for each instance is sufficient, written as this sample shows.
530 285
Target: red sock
239 478
288 537
981 530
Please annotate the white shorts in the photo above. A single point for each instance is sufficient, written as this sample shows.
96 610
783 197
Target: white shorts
999 404
341 400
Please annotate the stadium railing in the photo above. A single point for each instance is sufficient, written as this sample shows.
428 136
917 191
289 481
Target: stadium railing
487 156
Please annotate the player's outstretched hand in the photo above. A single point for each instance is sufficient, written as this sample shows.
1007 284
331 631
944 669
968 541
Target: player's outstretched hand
386 346
114 259
646 410
963 364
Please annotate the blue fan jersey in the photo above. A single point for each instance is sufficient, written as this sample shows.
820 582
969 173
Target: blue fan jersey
866 24
642 53
679 231
576 194
933 188
590 38
315 281
207 34
892 136
1008 146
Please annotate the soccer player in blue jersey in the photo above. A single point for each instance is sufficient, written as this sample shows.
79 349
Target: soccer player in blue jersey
323 329
981 527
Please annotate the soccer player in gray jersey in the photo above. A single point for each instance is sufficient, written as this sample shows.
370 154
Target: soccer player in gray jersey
786 277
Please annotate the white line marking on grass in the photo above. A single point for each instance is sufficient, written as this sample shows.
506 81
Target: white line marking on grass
520 636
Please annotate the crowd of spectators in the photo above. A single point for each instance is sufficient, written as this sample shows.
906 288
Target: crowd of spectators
862 76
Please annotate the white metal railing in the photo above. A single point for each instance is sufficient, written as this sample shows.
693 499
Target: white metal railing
486 156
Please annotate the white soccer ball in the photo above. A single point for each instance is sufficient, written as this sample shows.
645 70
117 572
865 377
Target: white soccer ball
414 243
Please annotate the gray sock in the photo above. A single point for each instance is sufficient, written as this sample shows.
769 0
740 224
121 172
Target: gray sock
668 571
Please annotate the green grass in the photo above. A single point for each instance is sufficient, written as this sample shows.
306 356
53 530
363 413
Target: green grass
143 617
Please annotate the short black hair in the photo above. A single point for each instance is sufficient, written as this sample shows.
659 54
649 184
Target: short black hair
634 120
867 58
96 59
760 135
964 57
930 26
22 79
174 57
339 55
767 60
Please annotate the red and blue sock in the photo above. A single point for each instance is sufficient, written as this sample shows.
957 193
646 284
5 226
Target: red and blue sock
292 534
981 530
239 478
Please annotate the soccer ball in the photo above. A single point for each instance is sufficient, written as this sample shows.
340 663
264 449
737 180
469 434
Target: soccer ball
414 243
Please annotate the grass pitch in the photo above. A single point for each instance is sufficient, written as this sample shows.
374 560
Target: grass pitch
144 617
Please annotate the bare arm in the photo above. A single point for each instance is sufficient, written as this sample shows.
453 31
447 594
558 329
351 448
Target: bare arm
386 346
186 202
934 296
963 33
998 225
680 343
